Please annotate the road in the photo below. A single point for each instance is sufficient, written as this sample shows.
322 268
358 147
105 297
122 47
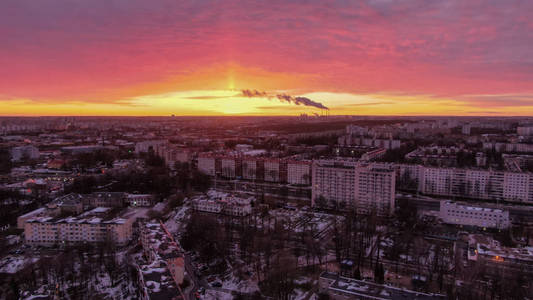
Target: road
196 281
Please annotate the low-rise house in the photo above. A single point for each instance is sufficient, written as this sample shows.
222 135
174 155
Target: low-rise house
230 205
469 215
486 251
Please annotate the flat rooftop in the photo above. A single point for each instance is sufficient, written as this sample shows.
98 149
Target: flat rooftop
359 288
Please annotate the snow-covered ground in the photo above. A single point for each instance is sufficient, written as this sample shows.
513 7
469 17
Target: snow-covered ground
218 295
244 286
13 263
175 222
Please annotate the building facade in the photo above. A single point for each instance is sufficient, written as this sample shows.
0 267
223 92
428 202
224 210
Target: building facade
299 172
457 214
375 190
206 165
94 226
366 188
145 200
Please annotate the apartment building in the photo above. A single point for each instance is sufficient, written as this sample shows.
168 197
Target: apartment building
172 155
144 200
206 164
367 188
147 146
508 147
524 130
299 172
342 288
43 211
249 168
236 206
468 215
436 155
228 167
94 226
272 170
252 168
479 184
466 129
356 130
352 140
24 152
334 181
229 205
71 203
375 190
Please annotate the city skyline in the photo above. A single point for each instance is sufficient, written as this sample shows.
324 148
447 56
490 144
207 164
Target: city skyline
372 57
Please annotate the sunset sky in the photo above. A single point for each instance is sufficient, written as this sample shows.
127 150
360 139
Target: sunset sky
159 57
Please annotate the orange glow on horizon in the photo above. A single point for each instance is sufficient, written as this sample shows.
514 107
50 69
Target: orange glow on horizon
215 91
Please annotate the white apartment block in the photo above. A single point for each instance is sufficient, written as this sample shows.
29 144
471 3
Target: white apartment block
206 165
228 167
375 190
364 187
91 227
249 169
367 188
356 130
479 184
411 172
457 214
299 172
517 186
466 129
272 171
333 180
349 140
524 130
508 147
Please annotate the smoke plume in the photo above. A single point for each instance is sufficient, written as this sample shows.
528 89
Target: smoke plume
284 98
